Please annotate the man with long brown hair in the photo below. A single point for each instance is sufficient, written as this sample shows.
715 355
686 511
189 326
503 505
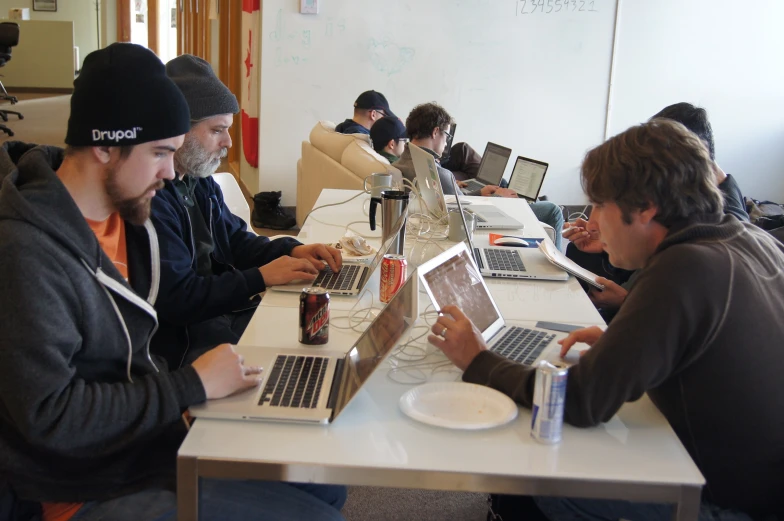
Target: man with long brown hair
699 331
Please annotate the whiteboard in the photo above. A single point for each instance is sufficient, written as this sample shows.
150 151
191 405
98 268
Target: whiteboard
530 75
724 55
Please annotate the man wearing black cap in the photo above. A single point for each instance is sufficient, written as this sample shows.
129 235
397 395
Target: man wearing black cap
212 267
389 138
370 107
90 422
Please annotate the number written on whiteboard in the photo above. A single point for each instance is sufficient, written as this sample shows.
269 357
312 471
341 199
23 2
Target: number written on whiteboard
524 7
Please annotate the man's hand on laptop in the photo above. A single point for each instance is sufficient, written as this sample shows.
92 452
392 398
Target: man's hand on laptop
497 191
588 335
457 337
318 254
612 296
286 269
580 233
222 372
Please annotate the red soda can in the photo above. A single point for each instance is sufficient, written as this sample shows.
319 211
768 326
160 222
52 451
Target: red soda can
393 275
314 316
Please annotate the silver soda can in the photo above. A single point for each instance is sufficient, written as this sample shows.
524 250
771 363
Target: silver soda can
548 406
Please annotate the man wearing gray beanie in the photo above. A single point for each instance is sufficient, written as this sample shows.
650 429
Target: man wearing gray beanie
91 422
212 267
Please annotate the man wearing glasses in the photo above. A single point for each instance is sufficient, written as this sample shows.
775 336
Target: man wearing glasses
389 138
429 127
369 108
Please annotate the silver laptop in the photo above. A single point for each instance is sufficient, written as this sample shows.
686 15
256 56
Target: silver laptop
527 178
512 263
491 169
314 385
452 278
352 277
432 193
428 182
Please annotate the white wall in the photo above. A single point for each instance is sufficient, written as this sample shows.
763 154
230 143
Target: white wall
80 12
724 55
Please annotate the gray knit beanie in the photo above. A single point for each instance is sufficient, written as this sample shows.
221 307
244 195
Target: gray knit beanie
207 96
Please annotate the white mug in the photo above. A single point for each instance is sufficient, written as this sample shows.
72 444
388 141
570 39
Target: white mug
456 231
379 182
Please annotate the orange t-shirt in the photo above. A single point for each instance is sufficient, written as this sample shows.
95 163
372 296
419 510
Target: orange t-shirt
111 236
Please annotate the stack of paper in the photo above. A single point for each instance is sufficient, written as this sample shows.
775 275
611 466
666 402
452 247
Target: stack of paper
559 259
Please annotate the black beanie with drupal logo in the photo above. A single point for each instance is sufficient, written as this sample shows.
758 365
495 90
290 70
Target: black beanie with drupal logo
123 97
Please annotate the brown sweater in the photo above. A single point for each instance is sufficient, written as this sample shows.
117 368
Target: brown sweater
702 332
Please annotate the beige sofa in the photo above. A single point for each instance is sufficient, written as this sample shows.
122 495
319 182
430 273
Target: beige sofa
334 160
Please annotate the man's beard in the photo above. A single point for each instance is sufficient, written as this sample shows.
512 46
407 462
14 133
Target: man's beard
192 159
135 210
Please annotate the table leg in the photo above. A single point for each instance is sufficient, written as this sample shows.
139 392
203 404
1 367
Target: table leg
688 508
187 489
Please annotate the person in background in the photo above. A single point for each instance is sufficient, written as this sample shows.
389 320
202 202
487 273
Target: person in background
389 138
212 267
90 421
428 127
699 331
585 248
370 107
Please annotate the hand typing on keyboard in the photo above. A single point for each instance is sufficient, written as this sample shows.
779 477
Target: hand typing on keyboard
457 337
223 372
497 191
286 269
318 254
588 335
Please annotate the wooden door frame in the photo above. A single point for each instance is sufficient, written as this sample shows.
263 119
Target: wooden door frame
124 23
230 67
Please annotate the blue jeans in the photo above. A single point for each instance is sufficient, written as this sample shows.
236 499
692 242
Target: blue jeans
221 500
566 509
550 213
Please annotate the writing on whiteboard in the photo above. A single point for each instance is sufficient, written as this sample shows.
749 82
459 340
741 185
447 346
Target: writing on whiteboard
554 6
388 57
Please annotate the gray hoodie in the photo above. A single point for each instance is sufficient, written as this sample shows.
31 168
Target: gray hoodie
85 412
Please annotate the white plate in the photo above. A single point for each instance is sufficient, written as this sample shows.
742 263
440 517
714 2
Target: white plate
458 405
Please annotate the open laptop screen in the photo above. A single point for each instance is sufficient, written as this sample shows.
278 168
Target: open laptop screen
457 282
527 177
493 164
377 342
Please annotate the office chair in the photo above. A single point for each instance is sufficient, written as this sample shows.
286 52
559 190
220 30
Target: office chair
9 37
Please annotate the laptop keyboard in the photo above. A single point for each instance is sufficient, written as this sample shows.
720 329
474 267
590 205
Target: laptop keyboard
522 345
295 381
343 280
503 260
473 185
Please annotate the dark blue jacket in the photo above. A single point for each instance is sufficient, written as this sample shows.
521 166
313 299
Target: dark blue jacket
187 299
351 127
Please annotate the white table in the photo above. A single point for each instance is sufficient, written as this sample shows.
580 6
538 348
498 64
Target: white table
636 456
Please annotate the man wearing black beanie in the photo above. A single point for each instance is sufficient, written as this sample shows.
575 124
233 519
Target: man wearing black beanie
212 267
90 422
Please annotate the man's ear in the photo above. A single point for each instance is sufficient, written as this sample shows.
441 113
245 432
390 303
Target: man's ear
647 215
434 133
391 144
103 154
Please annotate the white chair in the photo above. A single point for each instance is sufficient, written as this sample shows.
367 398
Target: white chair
233 197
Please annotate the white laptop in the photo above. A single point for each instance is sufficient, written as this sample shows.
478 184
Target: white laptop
512 263
491 169
527 178
313 384
452 278
432 193
352 277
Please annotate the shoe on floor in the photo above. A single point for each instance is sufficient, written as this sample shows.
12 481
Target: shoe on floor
267 212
